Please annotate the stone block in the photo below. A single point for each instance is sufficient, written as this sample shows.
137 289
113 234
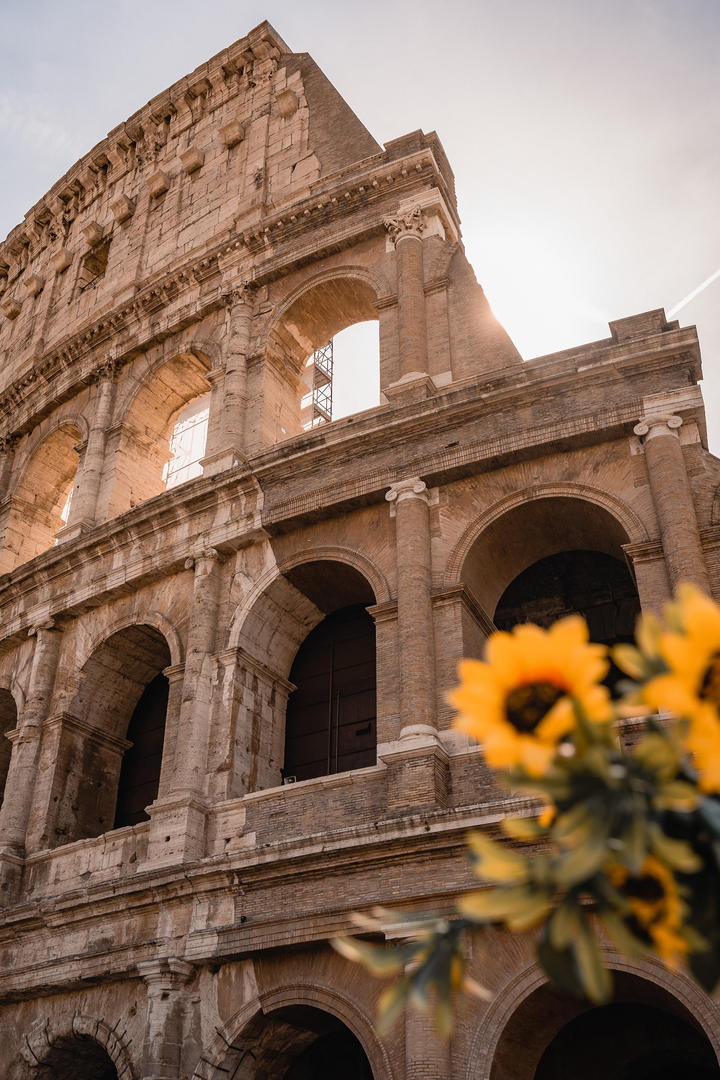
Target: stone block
287 103
61 259
158 183
122 208
232 133
11 307
34 283
191 160
92 233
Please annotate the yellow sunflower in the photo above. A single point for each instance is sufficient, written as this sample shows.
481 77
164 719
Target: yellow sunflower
691 687
519 703
656 910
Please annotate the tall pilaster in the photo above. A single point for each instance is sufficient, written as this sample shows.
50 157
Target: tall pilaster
410 500
7 457
228 400
178 818
165 980
83 508
672 496
417 761
405 232
20 783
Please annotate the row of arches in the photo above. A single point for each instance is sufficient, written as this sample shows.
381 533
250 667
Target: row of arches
313 627
158 432
648 1032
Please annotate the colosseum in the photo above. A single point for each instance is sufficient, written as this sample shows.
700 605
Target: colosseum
229 622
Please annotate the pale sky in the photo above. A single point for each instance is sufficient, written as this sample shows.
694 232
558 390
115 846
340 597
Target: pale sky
585 138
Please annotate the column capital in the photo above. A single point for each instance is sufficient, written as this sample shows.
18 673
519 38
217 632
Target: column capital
411 223
412 488
243 292
166 972
105 370
48 624
652 426
203 560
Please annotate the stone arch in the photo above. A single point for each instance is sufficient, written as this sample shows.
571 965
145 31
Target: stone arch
43 483
109 743
348 556
314 601
155 619
43 431
237 1034
629 521
316 310
46 1034
153 397
510 998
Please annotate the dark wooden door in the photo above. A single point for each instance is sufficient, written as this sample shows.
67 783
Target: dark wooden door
330 724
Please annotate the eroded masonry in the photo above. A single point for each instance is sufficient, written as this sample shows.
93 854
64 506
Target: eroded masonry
227 628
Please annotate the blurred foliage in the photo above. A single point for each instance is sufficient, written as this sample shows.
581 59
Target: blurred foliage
626 847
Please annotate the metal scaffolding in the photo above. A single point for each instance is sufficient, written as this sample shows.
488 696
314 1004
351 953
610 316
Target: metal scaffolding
322 383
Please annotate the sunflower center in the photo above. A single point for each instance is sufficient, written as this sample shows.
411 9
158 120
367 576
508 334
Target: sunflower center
710 686
646 887
525 706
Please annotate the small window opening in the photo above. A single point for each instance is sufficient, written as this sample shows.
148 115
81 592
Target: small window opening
94 265
343 376
187 443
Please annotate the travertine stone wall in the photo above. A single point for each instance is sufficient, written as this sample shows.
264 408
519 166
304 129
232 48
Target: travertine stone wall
208 246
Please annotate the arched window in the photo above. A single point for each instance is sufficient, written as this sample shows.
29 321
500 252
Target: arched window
122 699
330 721
187 442
40 502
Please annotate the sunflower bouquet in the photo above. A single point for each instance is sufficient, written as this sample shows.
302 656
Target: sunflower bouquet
620 839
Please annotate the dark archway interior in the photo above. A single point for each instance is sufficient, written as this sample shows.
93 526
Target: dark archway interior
645 1034
8 721
629 1042
330 720
589 583
141 764
78 1058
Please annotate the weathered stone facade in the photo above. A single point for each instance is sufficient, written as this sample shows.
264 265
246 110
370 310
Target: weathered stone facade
209 245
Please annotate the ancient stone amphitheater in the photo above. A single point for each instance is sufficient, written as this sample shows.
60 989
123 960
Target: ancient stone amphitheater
228 626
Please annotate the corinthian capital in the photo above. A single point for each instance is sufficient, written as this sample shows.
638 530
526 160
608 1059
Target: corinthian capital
411 223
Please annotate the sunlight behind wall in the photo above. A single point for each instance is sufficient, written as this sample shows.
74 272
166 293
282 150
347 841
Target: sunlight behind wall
187 443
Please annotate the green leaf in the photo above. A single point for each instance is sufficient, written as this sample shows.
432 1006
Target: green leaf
622 938
676 853
496 862
391 1004
559 966
582 862
498 904
564 924
594 976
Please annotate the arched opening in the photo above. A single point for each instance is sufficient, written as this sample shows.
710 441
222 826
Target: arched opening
548 558
76 1058
39 504
110 746
644 1034
309 629
8 722
342 310
296 1042
163 433
330 719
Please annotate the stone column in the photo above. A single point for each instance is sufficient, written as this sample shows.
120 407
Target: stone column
410 500
672 495
20 783
7 456
226 425
192 735
83 507
177 829
406 233
417 761
165 980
